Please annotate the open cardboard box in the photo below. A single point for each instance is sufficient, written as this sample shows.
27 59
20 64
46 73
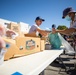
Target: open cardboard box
23 46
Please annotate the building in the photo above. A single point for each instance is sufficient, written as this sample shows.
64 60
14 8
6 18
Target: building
24 27
5 22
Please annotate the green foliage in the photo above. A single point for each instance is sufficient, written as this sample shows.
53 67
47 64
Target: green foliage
61 27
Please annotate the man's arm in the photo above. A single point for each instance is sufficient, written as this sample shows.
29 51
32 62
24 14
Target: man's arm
60 31
42 32
67 31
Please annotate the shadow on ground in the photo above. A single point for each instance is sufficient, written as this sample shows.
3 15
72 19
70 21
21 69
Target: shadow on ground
54 68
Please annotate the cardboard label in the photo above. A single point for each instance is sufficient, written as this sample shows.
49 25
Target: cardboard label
30 45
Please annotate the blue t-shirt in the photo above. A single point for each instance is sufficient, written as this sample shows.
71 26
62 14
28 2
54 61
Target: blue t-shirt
54 40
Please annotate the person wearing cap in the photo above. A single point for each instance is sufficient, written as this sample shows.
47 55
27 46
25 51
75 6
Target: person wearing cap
54 38
70 15
35 28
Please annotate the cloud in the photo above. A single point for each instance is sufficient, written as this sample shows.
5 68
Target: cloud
48 28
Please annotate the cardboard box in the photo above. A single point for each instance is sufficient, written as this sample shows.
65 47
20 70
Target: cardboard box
30 35
42 45
23 46
15 27
27 45
11 50
42 42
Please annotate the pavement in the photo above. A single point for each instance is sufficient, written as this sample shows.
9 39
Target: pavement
69 62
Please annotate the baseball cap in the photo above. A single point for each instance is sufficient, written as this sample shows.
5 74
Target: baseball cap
67 11
53 26
39 18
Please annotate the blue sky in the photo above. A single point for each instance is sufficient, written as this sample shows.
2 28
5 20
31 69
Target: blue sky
27 10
